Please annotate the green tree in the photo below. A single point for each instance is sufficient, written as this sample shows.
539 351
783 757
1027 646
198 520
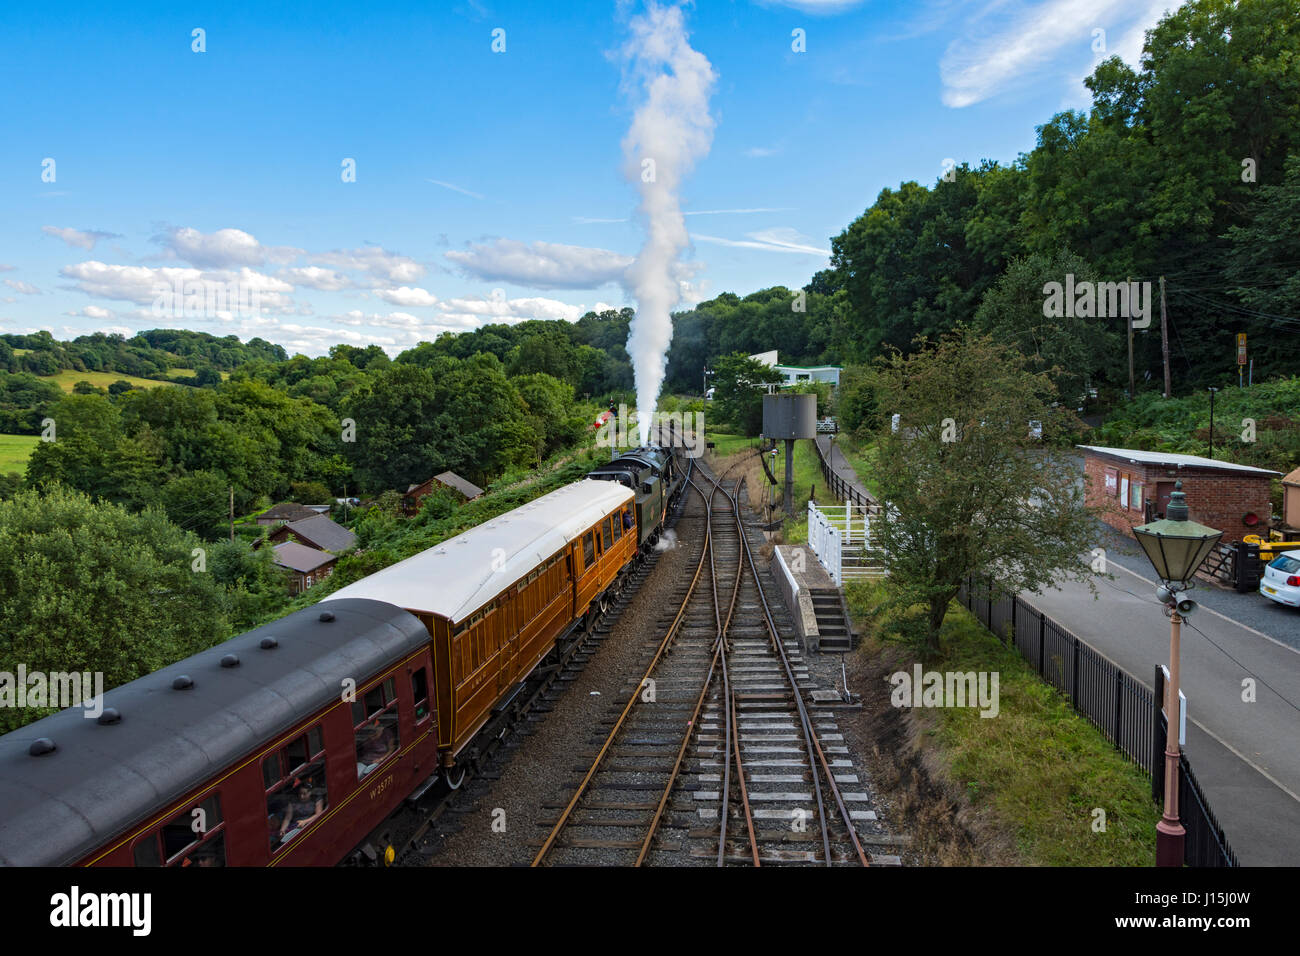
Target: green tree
1073 351
92 587
738 382
965 489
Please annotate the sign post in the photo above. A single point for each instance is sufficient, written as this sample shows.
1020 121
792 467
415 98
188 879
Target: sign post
1241 356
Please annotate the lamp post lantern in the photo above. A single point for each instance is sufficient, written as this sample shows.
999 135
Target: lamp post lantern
1176 546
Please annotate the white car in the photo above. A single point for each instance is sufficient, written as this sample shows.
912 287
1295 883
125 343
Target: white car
1281 580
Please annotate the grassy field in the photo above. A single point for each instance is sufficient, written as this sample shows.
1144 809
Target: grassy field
1039 768
67 378
14 452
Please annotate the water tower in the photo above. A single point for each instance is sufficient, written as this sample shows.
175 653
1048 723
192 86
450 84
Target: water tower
789 416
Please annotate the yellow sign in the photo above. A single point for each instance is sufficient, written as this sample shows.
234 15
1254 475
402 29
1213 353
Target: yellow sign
1241 348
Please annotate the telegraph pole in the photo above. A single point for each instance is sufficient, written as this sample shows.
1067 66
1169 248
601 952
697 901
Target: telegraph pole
1164 334
1132 379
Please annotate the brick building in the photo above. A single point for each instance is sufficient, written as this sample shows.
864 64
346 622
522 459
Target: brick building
1132 487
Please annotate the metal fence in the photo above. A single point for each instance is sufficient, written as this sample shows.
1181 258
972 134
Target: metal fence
1123 708
840 489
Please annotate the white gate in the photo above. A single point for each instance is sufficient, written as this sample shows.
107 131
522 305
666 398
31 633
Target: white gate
840 536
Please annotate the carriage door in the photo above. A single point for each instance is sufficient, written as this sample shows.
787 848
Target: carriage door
509 630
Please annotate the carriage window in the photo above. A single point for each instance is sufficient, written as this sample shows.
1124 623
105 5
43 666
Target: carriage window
194 837
588 551
420 694
375 725
604 531
617 522
296 788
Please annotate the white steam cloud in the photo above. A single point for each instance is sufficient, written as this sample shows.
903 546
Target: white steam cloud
670 132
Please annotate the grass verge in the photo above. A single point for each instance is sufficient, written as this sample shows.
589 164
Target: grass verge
1038 769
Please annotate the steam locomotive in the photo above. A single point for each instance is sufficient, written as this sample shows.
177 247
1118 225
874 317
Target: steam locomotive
293 743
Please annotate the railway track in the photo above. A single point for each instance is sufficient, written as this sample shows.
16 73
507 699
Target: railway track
714 757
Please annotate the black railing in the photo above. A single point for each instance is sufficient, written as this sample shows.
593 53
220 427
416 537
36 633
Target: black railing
1123 708
841 489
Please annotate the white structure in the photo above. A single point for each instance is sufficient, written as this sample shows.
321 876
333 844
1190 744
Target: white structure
794 374
840 536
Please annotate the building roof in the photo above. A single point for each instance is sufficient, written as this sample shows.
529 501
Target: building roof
324 532
1140 457
453 480
300 558
1292 478
286 511
463 573
103 780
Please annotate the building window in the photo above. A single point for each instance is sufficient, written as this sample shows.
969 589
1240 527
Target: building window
296 788
374 721
194 837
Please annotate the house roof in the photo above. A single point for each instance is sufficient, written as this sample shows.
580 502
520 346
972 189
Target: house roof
300 558
1293 478
322 531
104 779
453 480
1139 457
287 511
465 572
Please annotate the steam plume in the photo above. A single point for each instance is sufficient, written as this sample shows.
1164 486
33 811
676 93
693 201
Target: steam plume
670 132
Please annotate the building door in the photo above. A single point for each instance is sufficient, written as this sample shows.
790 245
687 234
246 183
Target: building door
1163 490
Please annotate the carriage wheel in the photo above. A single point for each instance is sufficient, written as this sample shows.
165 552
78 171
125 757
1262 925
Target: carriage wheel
459 780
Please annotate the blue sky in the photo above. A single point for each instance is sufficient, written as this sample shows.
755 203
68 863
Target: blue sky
489 186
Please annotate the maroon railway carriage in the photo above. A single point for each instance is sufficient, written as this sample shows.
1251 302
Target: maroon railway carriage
284 745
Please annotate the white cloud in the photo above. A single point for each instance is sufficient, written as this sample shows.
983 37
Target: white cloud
454 188
542 265
91 312
26 288
77 237
407 296
7 268
137 283
315 277
782 239
223 249
376 261
1012 43
479 310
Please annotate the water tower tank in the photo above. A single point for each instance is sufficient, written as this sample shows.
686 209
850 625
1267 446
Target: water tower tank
790 415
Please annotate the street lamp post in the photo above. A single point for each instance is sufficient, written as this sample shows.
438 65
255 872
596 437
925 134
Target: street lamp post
1176 546
1213 391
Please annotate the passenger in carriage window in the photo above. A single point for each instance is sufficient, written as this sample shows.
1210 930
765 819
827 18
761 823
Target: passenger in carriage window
302 811
377 745
627 519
